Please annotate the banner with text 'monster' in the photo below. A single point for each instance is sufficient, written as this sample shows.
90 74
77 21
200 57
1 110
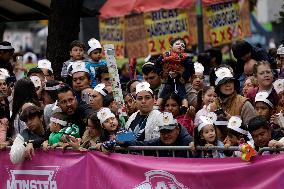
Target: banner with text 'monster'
89 170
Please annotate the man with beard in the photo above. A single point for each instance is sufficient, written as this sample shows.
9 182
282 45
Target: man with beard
77 112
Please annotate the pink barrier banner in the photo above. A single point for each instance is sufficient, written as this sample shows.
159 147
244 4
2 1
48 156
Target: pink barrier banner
84 170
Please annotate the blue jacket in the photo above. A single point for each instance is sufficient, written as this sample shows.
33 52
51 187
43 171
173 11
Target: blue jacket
92 66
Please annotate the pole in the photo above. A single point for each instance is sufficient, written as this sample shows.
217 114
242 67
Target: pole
200 26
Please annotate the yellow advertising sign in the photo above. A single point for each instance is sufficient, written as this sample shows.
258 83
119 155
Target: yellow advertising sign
224 22
112 32
164 25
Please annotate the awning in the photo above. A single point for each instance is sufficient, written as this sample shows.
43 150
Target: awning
114 8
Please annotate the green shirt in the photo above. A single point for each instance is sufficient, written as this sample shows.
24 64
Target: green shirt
54 138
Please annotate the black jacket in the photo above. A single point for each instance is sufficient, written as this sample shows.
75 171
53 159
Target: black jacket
80 116
37 140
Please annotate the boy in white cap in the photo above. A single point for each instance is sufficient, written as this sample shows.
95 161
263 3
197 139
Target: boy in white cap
95 54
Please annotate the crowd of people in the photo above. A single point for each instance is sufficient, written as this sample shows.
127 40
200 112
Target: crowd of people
183 100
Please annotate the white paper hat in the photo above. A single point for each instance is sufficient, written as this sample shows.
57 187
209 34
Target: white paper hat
103 114
235 123
94 44
198 67
143 86
36 81
147 58
262 97
222 73
279 85
45 64
167 121
78 66
99 88
209 119
280 50
6 47
4 74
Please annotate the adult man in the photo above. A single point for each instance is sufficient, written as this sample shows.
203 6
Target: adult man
263 135
80 77
152 77
6 52
144 122
77 112
171 134
244 51
102 76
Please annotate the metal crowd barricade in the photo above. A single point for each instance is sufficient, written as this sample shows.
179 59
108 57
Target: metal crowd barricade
265 149
157 149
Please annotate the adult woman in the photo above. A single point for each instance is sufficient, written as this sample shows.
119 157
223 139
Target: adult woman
172 103
144 122
249 84
98 97
263 73
233 104
24 92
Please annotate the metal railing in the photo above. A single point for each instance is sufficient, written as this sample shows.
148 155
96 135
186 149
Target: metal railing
173 149
158 149
265 149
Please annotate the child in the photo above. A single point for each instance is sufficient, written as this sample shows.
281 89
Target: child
110 126
76 50
61 131
175 66
92 133
236 134
264 106
30 138
205 97
95 54
205 135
